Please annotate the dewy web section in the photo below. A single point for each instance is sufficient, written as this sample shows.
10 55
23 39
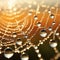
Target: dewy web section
28 23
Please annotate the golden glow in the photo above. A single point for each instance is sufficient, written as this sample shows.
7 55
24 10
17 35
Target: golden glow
11 3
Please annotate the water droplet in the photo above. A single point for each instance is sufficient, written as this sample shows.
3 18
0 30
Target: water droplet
19 42
49 11
39 55
8 53
38 24
57 34
53 23
24 57
52 16
35 47
50 28
43 33
25 36
53 44
35 17
37 51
